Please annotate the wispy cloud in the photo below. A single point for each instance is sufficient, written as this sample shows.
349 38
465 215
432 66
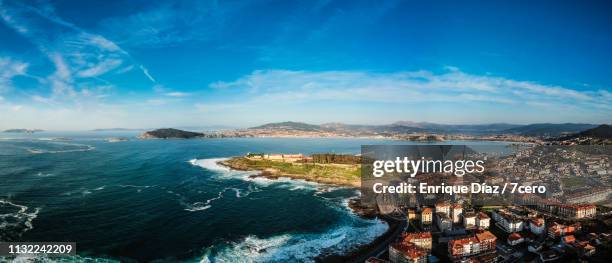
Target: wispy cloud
80 58
146 72
167 24
10 68
177 94
453 92
404 86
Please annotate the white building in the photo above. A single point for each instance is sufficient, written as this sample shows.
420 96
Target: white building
457 211
443 207
507 221
469 220
483 220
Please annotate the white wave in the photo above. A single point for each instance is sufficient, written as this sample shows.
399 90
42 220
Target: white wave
227 173
210 164
41 151
28 258
296 247
19 220
78 147
200 206
41 174
197 206
84 191
238 192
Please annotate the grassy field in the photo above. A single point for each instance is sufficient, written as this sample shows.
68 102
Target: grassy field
314 171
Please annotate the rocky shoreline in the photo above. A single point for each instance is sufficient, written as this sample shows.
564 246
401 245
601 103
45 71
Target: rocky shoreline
365 251
274 174
359 253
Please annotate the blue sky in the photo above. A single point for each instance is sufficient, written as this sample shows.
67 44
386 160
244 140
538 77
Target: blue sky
74 65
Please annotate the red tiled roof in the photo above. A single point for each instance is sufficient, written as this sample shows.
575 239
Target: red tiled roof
569 239
410 250
482 215
514 236
486 236
408 237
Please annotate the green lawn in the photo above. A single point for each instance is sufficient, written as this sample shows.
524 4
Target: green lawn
315 170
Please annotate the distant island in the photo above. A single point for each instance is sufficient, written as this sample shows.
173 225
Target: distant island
22 130
404 130
169 133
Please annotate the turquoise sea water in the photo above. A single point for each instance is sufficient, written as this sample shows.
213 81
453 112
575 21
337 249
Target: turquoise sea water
167 200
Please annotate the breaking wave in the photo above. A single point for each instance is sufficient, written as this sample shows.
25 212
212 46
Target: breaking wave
48 259
77 148
210 164
15 219
296 247
204 205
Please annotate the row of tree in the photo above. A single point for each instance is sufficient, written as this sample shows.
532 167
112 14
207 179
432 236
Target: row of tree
335 158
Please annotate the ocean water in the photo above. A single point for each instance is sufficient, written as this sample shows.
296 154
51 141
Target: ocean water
168 200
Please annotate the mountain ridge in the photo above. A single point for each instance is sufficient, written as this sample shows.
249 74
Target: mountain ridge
535 129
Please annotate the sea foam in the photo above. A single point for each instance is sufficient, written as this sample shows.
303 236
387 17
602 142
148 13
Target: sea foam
210 164
15 219
296 247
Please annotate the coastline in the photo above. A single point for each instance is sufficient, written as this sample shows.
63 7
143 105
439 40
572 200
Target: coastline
359 253
274 174
374 248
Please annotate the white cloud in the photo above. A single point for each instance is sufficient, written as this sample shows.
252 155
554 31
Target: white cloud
177 94
452 96
451 86
164 24
101 68
145 71
73 51
61 81
10 68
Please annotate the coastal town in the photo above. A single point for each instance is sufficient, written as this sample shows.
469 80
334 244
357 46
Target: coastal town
450 232
572 220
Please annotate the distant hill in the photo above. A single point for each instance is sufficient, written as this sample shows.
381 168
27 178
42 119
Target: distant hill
290 125
549 129
493 128
603 131
407 127
401 127
22 130
169 133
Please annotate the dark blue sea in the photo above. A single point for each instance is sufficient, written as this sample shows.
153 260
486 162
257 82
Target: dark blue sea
168 200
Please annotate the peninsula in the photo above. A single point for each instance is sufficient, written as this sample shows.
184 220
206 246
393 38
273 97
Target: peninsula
336 169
